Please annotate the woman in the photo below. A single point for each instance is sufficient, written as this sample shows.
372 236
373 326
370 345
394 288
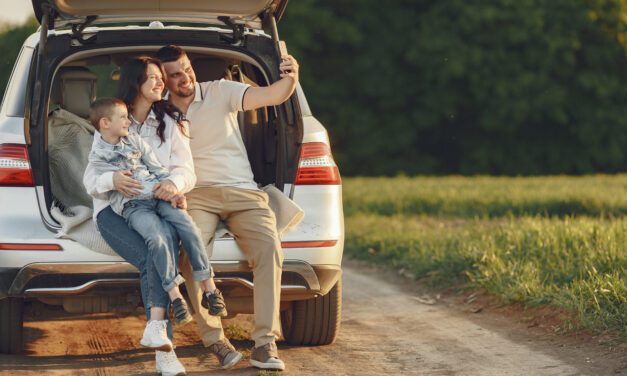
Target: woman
161 125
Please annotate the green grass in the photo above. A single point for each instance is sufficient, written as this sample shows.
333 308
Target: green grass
572 259
268 373
483 197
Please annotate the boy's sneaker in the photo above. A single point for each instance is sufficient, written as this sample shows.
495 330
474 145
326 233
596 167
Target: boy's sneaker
214 302
168 364
226 353
266 357
181 312
156 336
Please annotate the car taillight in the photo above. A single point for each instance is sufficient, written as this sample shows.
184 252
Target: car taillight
316 165
15 166
29 247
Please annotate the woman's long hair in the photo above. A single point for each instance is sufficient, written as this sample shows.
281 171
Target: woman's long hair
132 77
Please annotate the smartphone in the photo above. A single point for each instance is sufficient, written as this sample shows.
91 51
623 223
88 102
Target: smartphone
282 49
283 52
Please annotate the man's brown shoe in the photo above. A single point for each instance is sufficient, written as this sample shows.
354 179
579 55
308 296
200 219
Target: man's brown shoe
226 353
266 357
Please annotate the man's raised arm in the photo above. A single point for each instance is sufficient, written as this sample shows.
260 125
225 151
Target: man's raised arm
276 93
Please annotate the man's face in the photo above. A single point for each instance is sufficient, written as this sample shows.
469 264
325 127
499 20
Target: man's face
181 77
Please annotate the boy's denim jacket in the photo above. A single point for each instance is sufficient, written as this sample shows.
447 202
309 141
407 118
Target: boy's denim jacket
131 153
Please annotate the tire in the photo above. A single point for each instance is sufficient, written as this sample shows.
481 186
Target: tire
11 325
316 321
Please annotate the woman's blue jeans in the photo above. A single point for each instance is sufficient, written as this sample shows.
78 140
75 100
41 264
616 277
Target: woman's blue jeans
131 247
151 219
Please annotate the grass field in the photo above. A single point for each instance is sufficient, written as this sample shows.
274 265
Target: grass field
482 197
560 241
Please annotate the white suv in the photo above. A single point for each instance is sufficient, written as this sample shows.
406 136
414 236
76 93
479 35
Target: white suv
73 59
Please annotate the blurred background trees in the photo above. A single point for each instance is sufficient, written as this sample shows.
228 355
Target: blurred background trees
458 86
11 40
466 86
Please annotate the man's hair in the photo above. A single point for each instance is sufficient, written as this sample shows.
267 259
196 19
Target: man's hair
170 53
103 107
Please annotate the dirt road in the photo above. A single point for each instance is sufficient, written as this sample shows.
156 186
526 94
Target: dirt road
387 328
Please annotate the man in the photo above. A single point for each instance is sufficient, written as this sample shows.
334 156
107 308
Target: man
225 190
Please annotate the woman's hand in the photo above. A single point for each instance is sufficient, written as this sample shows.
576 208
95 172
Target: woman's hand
126 185
165 190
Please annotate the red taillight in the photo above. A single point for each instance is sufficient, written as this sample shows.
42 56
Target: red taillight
15 166
29 247
309 244
316 165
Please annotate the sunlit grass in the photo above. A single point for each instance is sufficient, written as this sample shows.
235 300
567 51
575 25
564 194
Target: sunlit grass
572 257
487 196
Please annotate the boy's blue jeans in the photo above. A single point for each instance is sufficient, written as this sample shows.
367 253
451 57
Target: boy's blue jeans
131 247
151 219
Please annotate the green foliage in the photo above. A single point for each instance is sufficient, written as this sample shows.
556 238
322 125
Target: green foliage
483 196
11 40
578 263
459 86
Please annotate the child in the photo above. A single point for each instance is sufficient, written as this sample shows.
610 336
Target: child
118 150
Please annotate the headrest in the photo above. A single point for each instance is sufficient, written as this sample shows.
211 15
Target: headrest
210 69
74 89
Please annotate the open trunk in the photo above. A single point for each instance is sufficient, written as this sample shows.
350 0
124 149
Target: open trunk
71 77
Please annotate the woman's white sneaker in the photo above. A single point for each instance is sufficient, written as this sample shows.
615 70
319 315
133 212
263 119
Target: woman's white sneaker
168 364
156 336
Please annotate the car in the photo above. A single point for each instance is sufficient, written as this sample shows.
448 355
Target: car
75 58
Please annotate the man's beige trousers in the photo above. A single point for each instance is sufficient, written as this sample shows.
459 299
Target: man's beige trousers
249 218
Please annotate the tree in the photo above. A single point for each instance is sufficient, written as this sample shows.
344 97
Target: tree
465 86
11 39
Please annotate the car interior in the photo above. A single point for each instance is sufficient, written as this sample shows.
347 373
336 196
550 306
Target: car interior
77 83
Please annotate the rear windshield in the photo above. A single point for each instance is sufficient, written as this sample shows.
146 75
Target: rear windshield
15 93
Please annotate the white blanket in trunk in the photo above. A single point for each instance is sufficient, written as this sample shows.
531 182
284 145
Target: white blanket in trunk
77 224
69 143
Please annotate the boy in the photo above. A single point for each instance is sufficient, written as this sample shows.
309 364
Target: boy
118 150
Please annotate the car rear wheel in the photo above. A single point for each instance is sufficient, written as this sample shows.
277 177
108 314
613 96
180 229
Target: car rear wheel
315 321
11 325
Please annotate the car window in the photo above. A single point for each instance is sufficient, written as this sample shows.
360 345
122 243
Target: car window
107 86
15 93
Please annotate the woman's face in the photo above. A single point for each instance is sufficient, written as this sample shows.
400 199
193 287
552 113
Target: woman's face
152 89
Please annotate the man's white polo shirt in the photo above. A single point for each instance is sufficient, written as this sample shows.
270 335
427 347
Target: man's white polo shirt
220 157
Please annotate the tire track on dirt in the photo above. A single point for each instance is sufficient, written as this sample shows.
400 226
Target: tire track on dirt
101 346
430 340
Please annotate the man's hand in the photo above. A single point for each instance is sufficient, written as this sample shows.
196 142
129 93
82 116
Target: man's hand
165 190
179 201
289 67
126 185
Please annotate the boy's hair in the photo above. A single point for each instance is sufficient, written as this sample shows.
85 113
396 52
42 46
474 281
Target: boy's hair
103 107
170 53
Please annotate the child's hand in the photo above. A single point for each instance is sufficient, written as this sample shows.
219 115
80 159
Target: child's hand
179 201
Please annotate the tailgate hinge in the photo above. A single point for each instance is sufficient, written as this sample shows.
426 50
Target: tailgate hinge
238 31
77 30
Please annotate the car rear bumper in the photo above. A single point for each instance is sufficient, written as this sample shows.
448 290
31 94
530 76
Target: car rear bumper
300 280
